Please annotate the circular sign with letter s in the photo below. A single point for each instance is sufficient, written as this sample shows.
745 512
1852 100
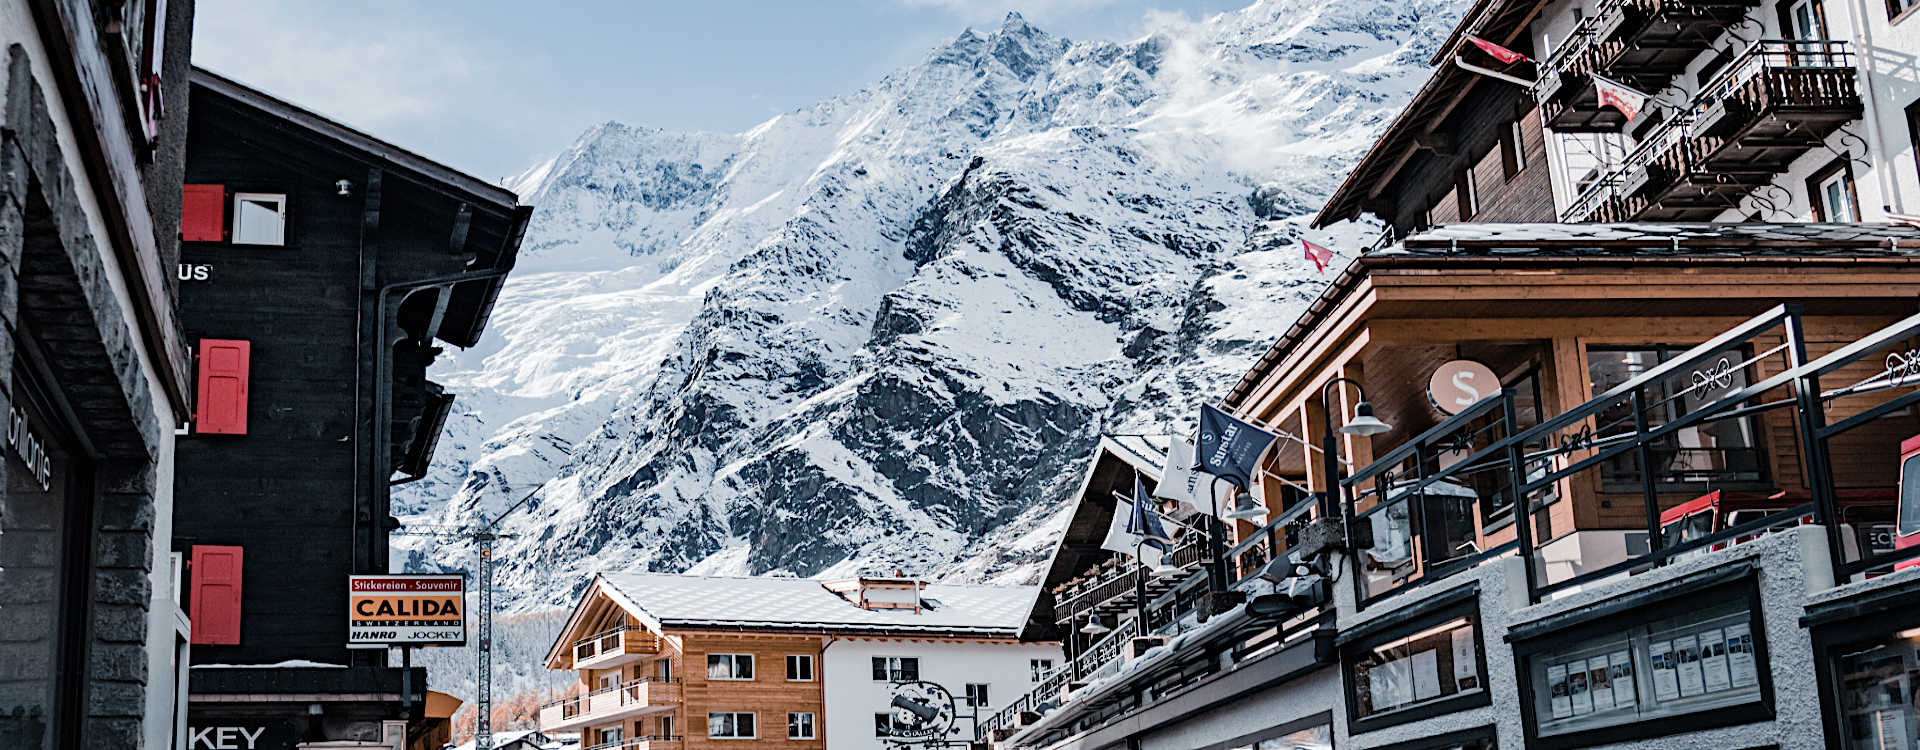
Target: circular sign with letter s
1460 384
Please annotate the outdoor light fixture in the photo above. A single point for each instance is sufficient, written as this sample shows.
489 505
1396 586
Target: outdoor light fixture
1364 423
1094 626
346 188
1245 508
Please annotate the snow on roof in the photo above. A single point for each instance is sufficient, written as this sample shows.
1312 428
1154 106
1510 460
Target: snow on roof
700 601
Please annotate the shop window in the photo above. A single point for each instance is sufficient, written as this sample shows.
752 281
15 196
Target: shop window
1693 660
729 666
1429 665
800 726
731 725
896 669
1831 193
259 218
1722 453
799 668
1311 733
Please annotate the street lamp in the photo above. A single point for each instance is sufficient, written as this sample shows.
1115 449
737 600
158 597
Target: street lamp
1094 626
1363 424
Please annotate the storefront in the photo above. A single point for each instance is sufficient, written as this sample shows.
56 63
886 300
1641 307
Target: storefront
1866 641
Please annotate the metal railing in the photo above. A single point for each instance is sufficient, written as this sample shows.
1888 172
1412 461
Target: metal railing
1165 611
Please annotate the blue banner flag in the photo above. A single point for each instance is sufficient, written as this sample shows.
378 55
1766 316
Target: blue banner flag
1230 447
1146 519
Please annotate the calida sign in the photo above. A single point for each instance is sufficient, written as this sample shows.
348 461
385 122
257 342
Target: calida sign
406 610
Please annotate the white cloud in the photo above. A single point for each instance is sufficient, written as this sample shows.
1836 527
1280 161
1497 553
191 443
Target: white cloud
343 65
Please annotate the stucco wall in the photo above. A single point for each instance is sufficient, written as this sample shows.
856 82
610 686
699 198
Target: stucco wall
853 696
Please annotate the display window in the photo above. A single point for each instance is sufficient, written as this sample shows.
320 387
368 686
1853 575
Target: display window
1647 671
1425 664
1870 674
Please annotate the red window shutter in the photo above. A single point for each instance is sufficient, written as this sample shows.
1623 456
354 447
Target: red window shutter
203 213
221 404
215 610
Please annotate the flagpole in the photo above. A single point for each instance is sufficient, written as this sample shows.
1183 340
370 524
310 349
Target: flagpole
1494 74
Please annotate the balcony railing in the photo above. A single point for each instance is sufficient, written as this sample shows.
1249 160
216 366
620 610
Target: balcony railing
1115 582
615 701
614 647
1164 613
1779 100
1644 43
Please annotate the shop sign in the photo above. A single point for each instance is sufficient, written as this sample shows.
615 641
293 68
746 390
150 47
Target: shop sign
1461 383
409 610
921 711
243 735
29 448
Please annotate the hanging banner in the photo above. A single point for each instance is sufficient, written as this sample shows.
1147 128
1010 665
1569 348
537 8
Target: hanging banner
1230 447
407 610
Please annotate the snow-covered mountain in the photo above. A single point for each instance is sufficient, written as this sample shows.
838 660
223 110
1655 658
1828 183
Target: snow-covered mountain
885 331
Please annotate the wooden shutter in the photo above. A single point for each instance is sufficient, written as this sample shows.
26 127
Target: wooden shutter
215 607
221 404
203 213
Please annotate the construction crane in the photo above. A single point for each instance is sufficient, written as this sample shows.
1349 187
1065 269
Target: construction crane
483 536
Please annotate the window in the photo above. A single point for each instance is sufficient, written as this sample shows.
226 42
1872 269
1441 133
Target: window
1691 660
1311 733
1469 190
666 727
800 726
1040 668
799 668
730 725
609 736
1868 651
259 219
977 693
896 669
663 670
1802 19
729 666
1720 453
1830 191
1420 665
1513 148
1897 7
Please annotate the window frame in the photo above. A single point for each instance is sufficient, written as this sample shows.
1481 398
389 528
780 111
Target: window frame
1859 619
985 697
886 663
752 668
1039 668
1487 734
1513 148
806 659
1896 14
887 717
1754 427
755 720
236 198
1744 588
1322 719
812 725
1817 192
1467 187
1397 625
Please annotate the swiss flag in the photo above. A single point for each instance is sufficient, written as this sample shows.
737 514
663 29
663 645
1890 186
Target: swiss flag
1499 53
1319 255
1619 96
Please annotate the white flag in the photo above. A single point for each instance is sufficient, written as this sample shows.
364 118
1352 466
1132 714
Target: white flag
1181 482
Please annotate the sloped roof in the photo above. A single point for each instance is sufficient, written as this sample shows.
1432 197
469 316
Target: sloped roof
804 604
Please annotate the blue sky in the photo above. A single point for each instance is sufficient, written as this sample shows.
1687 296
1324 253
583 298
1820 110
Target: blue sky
492 87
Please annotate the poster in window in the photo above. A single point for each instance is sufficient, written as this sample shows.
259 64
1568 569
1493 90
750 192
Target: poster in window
1740 655
1466 671
1600 683
1713 660
1665 682
1557 682
1687 648
1577 687
1622 672
1426 675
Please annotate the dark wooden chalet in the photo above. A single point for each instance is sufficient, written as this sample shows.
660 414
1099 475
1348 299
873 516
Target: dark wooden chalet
321 272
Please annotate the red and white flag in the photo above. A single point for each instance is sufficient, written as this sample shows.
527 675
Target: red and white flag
1499 53
1319 255
1619 96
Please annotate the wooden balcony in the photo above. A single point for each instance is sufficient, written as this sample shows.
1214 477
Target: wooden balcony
655 742
636 698
1776 103
612 648
1642 43
1112 586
